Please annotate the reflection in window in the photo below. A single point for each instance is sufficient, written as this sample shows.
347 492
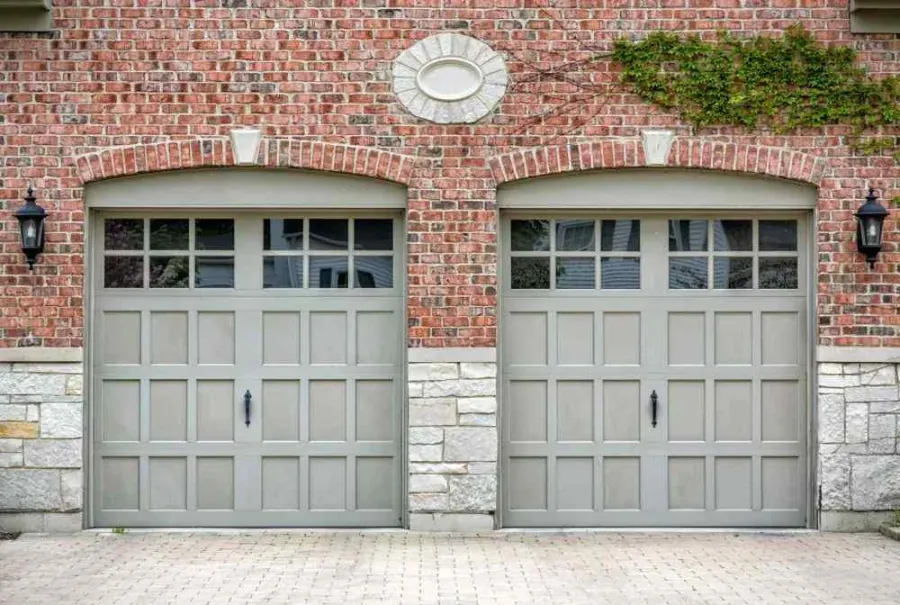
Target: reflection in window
620 273
687 235
374 271
214 272
530 273
283 272
328 234
575 236
620 236
530 236
214 234
328 271
123 234
733 273
169 234
373 234
777 236
575 273
778 273
123 272
688 273
170 271
283 234
733 236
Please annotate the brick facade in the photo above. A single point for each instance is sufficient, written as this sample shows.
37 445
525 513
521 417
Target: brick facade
123 88
127 88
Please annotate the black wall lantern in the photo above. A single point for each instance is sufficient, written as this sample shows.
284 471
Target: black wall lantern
31 228
869 227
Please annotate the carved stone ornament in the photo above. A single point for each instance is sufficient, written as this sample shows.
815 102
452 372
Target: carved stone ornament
450 79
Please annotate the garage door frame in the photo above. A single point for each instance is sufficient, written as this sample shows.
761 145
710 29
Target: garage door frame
236 191
647 192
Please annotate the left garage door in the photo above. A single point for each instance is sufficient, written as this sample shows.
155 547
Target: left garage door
245 370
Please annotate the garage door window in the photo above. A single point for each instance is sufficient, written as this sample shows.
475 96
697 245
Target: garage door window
744 254
569 246
168 253
316 253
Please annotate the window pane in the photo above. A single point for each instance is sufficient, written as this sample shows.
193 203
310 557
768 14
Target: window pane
123 234
530 273
328 234
620 273
123 272
214 234
620 236
777 236
575 273
687 273
283 234
373 234
778 273
214 272
733 236
283 272
531 236
169 271
168 234
328 271
733 273
574 236
374 272
687 236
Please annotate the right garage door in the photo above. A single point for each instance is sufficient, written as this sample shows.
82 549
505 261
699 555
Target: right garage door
654 370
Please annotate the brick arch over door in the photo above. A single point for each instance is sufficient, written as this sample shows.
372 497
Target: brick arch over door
273 153
685 153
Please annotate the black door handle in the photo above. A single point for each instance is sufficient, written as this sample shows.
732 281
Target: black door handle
247 398
654 406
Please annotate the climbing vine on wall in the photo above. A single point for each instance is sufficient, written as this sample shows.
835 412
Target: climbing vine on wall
781 83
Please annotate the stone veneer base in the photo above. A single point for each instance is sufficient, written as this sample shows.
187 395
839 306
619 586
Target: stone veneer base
451 522
850 521
41 522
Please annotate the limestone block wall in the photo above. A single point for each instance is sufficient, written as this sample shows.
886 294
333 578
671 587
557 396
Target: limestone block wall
859 443
41 444
453 438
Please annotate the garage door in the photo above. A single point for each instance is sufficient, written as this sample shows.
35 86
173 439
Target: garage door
246 370
654 370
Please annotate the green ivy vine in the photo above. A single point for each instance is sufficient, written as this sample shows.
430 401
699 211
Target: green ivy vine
782 83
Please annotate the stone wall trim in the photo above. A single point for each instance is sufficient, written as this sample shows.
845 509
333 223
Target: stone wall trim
858 354
41 355
452 355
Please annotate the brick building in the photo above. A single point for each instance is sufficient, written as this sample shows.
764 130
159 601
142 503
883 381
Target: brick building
374 264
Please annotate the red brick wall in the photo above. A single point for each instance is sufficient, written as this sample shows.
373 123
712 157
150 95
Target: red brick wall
145 73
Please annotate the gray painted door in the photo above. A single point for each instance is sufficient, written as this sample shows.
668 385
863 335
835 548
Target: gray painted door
195 313
708 314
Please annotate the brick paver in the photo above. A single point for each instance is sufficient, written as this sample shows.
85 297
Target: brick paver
397 567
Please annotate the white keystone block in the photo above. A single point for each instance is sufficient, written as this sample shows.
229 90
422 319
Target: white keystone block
872 394
428 502
245 145
857 423
432 412
831 419
657 145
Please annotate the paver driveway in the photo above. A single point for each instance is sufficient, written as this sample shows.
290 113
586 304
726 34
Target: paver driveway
397 567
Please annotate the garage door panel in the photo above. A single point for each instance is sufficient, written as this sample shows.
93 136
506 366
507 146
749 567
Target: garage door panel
724 355
175 444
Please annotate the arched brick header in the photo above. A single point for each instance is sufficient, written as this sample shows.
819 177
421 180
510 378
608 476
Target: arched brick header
685 153
273 153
